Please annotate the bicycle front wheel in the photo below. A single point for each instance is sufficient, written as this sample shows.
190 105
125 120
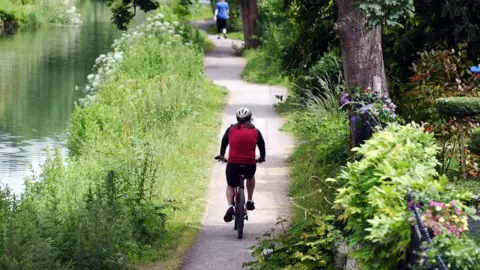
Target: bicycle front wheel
240 215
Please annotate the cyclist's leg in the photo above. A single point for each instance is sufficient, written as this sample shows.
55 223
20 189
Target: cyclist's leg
250 187
250 176
232 181
230 173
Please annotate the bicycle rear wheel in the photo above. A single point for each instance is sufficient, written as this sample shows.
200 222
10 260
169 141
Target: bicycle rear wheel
235 207
240 215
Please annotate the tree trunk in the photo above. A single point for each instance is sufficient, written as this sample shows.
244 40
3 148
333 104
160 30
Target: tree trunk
249 13
361 49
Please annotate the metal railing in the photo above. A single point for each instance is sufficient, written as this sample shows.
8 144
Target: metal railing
419 235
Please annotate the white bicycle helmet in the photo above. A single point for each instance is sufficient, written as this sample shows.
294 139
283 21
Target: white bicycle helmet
244 114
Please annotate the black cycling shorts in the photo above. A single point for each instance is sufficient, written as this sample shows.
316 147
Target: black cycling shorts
234 170
221 24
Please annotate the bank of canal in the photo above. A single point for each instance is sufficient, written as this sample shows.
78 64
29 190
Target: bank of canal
39 70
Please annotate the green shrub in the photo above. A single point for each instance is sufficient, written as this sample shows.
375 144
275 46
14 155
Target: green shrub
459 253
438 74
459 106
475 142
235 21
310 244
373 197
327 68
322 148
7 17
261 68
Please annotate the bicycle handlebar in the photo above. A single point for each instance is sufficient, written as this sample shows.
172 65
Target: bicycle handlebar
224 160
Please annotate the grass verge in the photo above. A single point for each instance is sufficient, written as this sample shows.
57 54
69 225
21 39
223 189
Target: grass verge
133 188
207 45
321 132
197 140
212 30
262 69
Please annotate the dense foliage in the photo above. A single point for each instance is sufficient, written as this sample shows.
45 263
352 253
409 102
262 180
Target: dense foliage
371 190
124 11
36 12
373 198
459 106
438 73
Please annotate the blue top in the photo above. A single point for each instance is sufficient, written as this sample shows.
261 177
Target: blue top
475 69
222 10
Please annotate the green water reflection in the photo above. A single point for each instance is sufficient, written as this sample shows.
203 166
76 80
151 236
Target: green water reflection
39 70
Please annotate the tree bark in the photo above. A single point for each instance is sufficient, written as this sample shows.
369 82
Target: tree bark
361 49
249 13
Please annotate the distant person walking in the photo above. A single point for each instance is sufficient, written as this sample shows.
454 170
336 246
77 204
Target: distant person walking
221 16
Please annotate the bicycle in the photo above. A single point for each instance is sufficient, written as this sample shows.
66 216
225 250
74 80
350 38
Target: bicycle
239 203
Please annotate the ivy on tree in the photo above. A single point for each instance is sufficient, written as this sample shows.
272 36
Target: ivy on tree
387 12
124 10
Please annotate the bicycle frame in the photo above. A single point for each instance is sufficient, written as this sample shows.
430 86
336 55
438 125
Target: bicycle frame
240 209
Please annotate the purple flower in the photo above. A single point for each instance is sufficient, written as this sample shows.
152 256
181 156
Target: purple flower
365 108
344 99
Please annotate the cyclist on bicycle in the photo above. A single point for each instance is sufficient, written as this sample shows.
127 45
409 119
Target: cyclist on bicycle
243 139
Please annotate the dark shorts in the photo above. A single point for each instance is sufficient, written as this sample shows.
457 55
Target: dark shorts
221 24
234 170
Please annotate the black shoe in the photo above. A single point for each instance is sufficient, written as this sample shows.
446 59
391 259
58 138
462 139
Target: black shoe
250 205
229 215
225 36
218 37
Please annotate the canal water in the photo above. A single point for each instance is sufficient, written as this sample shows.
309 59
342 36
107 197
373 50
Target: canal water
39 70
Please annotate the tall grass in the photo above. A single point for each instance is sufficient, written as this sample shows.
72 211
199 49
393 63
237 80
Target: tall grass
264 63
136 180
32 13
321 129
261 68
